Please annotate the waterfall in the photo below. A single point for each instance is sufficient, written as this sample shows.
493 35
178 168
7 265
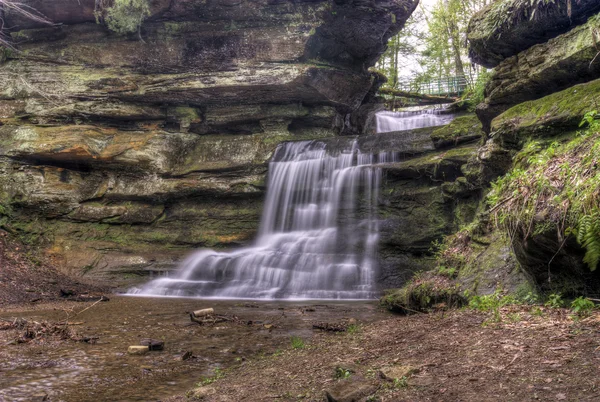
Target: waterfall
317 239
410 120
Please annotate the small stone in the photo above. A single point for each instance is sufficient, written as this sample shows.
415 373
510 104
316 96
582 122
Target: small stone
397 372
138 350
352 321
153 344
39 397
186 356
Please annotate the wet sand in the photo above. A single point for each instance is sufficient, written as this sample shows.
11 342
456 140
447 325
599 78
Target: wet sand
75 371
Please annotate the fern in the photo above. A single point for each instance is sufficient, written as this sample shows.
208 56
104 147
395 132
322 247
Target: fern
588 236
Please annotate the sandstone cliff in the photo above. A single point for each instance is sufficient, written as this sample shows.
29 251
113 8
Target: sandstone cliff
121 153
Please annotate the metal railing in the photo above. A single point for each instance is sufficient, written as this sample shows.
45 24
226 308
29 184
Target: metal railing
445 86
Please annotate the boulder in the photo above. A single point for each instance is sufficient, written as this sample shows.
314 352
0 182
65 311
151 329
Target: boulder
549 116
507 27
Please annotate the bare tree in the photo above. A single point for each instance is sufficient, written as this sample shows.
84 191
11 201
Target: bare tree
18 8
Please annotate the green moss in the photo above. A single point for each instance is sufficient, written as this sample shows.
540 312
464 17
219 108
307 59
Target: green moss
462 128
550 114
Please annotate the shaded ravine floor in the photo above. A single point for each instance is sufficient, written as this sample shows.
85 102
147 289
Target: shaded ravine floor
74 371
457 356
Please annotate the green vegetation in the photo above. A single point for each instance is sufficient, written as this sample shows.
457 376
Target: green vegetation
436 52
491 303
218 374
297 342
554 300
554 187
125 16
582 307
342 373
353 329
475 94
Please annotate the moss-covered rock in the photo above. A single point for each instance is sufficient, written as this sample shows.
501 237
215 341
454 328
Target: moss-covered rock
507 27
549 116
550 195
542 70
423 293
460 130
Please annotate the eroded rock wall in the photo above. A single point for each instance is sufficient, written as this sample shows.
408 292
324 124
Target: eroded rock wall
544 83
120 154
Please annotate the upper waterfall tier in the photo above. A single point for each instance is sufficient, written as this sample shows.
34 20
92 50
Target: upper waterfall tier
410 120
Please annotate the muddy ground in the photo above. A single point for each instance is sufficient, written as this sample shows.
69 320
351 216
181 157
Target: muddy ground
77 352
534 353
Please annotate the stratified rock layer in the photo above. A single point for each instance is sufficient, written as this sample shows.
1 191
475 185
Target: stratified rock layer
122 153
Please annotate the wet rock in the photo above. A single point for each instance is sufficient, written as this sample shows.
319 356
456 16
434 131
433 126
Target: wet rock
203 312
67 293
138 350
353 389
152 344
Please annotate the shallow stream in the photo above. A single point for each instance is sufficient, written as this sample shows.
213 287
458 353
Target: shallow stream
74 371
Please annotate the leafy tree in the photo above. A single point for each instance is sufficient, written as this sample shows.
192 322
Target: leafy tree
123 16
438 36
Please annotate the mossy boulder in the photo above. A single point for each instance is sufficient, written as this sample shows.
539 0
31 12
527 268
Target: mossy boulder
422 294
460 130
555 114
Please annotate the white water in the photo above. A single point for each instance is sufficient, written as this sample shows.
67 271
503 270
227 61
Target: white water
410 120
317 239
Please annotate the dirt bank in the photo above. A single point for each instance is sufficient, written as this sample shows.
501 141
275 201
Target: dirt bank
27 278
534 354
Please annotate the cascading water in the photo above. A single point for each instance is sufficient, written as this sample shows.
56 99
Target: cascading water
410 120
318 235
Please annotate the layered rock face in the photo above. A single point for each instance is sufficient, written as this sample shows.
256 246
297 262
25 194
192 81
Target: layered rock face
122 153
536 56
540 91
